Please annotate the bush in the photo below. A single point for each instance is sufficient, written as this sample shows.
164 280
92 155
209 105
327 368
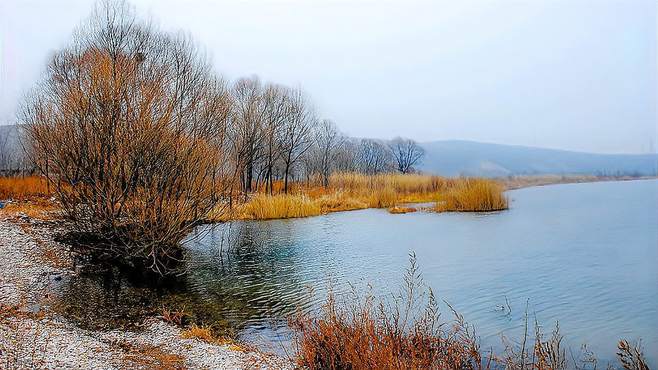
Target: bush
129 125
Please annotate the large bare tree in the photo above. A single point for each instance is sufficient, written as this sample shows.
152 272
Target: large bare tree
131 123
407 153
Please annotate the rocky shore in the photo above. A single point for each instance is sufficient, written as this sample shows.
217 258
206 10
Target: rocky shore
32 336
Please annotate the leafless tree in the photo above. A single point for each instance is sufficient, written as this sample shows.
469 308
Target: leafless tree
277 101
295 137
346 158
407 153
249 118
6 151
328 140
131 123
374 157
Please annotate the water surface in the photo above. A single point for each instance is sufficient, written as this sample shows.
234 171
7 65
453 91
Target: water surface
583 254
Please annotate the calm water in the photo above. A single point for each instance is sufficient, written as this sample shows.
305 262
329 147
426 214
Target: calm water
583 254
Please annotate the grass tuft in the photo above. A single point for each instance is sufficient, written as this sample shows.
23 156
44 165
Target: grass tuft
264 207
203 333
473 195
401 210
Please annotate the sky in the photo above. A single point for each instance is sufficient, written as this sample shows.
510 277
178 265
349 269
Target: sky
567 74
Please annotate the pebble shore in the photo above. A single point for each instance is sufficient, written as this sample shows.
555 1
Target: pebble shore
31 263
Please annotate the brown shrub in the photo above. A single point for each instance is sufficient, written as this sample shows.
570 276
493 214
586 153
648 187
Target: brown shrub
129 125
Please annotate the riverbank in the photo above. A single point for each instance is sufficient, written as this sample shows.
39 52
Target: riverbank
33 335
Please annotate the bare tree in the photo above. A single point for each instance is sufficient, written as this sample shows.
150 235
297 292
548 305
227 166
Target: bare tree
131 123
407 153
328 140
247 127
295 137
374 157
276 98
6 151
346 158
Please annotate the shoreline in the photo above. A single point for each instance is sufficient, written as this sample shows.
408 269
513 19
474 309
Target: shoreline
33 263
531 181
33 335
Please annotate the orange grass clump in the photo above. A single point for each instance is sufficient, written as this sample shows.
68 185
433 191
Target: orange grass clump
265 207
473 195
401 210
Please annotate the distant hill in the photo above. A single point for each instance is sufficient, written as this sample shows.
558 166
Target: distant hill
455 157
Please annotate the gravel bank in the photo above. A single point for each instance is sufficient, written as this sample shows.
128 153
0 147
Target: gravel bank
31 263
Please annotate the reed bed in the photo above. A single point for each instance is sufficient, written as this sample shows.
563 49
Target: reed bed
352 191
345 192
473 195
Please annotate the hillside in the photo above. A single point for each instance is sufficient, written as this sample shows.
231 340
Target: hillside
452 158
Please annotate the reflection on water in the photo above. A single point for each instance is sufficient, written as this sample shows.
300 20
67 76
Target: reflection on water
583 254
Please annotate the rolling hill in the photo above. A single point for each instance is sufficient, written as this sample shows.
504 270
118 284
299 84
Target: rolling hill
456 157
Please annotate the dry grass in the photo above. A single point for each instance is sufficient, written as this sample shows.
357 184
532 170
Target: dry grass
23 188
39 208
401 210
27 195
366 333
346 192
264 207
473 195
351 191
198 332
631 356
149 357
206 334
363 333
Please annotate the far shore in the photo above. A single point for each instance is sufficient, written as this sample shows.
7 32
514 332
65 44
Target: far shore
519 182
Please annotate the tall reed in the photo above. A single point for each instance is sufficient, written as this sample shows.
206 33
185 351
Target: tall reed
264 207
473 195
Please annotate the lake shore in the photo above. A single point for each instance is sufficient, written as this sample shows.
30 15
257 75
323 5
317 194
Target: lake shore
520 182
33 263
32 335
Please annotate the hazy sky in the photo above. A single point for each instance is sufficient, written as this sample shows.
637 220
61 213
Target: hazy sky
570 74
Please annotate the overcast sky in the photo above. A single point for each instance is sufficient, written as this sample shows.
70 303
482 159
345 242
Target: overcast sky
569 74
